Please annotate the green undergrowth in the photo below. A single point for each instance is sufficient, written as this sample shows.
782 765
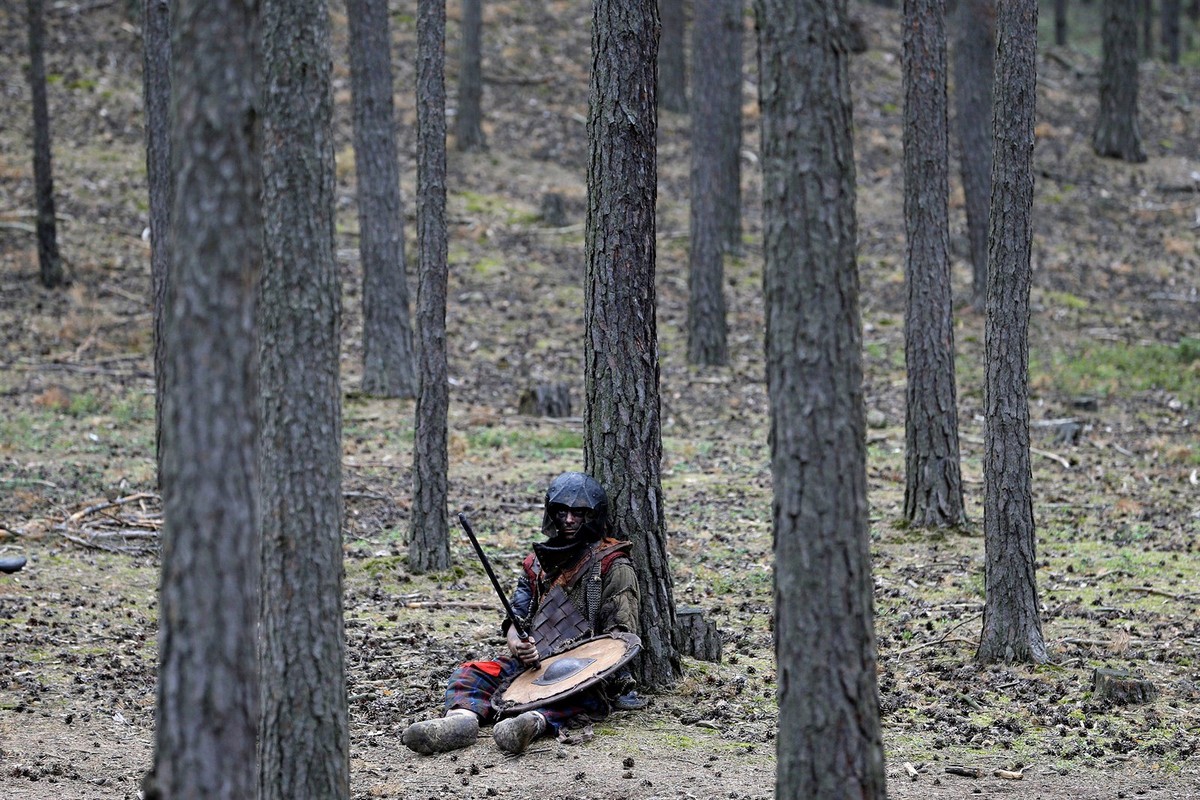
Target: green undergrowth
1107 370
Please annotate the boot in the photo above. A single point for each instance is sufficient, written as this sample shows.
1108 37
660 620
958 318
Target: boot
514 734
440 735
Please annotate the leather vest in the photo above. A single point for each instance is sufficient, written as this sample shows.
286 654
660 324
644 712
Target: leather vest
557 621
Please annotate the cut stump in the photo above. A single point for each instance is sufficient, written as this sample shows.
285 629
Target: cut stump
1121 687
546 400
695 636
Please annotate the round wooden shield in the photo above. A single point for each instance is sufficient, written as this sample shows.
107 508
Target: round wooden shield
563 674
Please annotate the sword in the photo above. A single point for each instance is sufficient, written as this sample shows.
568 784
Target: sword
522 631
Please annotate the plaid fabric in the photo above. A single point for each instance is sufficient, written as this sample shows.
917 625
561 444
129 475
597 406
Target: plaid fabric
471 687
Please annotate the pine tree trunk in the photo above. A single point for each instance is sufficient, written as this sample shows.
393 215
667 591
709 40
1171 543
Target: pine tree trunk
156 92
1012 629
304 740
469 122
1060 22
49 260
706 325
206 722
1117 134
429 547
727 55
622 421
672 61
974 61
389 363
829 745
1170 30
933 495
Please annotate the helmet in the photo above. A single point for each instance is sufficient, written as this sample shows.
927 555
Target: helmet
577 490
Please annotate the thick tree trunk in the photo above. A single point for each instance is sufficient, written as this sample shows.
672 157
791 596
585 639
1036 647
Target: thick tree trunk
206 722
49 260
389 363
429 547
1012 629
156 92
933 495
1117 134
304 740
622 421
468 126
974 61
672 61
829 744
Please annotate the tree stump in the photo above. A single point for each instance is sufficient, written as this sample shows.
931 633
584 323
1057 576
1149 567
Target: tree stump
1121 687
695 636
546 400
554 210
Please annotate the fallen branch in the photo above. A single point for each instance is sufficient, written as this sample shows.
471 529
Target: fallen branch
1043 453
120 501
1159 592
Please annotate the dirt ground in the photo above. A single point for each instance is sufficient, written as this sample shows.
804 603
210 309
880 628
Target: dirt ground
1116 488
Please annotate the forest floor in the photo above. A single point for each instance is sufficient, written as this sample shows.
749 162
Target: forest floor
1115 383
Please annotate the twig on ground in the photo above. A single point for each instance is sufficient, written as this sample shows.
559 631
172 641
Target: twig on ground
1160 592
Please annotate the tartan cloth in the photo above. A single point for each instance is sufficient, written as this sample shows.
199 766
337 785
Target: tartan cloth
471 686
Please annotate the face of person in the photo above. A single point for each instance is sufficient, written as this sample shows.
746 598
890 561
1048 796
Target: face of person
571 520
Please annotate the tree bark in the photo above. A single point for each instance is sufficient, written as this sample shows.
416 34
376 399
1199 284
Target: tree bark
974 62
829 745
429 547
622 419
1117 134
304 743
469 121
389 363
206 721
933 495
1012 629
156 92
49 260
672 60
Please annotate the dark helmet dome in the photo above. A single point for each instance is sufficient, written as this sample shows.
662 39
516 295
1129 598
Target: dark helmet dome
576 490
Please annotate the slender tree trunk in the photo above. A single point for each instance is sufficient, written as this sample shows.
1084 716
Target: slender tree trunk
1012 629
974 60
829 744
933 495
1117 133
1170 30
706 291
389 363
49 260
469 122
206 722
728 57
622 420
1060 22
1147 15
429 547
304 744
156 92
672 61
